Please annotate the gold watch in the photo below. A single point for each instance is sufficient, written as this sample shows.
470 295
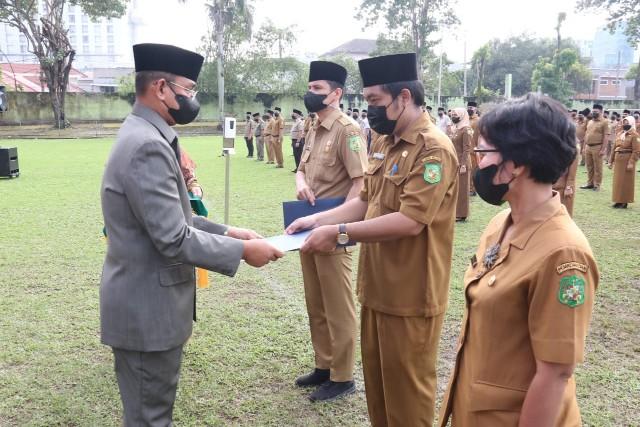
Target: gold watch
343 237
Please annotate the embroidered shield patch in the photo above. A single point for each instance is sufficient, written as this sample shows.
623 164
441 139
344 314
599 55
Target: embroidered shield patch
571 292
354 143
432 173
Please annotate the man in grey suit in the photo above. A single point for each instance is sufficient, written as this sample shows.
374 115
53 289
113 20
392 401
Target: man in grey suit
147 290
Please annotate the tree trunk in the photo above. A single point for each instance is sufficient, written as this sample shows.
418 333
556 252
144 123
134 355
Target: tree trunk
219 36
636 88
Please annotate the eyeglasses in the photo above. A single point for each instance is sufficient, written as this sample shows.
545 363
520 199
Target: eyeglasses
192 93
482 151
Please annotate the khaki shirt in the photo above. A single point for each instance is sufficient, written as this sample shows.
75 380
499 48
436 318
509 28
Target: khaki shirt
476 133
581 130
308 123
417 176
268 127
533 302
249 128
462 141
297 130
277 129
596 131
334 154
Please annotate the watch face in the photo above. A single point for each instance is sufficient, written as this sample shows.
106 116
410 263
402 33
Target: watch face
343 239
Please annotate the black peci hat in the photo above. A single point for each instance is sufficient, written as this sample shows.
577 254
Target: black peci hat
248 113
270 111
626 111
278 109
472 104
298 112
355 110
325 70
256 114
168 59
597 107
401 67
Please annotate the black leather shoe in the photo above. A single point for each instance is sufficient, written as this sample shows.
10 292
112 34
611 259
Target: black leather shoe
616 205
623 206
317 377
587 187
332 390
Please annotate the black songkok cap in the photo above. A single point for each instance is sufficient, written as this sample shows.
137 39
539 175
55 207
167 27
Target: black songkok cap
626 111
472 104
168 59
248 113
256 114
270 111
380 70
355 110
278 109
574 111
597 106
298 112
325 70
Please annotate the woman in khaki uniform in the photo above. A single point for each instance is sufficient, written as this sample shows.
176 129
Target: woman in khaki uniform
530 285
462 140
623 161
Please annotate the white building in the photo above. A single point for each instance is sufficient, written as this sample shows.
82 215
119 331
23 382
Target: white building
102 44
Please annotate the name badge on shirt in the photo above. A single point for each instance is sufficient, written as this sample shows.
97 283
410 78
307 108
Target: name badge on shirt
378 156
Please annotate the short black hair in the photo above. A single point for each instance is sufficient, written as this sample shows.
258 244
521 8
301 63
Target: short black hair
333 85
415 87
145 78
533 131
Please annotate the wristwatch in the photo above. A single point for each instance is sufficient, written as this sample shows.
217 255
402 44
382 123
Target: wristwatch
343 237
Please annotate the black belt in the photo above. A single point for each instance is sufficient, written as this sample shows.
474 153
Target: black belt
594 145
624 151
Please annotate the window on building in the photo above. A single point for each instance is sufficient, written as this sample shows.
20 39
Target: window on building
23 44
110 39
85 39
109 29
72 40
85 48
97 39
85 19
72 29
616 82
72 18
85 29
604 82
110 49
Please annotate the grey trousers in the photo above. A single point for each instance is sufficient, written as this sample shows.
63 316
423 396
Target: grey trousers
147 383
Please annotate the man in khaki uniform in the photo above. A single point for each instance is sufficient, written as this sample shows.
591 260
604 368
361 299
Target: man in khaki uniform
277 135
581 131
595 140
332 165
268 132
404 218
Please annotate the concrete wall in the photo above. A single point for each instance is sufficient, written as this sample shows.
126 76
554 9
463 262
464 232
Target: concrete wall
35 108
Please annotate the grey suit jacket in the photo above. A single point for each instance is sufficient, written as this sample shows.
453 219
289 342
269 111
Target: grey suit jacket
147 289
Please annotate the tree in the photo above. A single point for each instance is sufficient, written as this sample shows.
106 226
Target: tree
479 61
623 14
48 41
562 16
414 21
236 15
561 76
353 84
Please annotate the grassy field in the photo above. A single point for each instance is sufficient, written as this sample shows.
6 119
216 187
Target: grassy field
252 337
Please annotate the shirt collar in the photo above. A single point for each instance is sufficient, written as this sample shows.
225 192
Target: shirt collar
332 117
410 135
156 120
534 220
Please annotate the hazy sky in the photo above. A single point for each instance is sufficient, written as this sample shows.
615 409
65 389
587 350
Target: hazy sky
322 25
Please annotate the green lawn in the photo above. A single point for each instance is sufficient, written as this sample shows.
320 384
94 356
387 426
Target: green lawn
252 336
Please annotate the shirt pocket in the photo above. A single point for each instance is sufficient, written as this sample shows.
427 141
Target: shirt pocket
392 186
493 397
176 274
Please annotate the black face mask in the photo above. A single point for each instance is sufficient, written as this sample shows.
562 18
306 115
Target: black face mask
256 120
595 115
188 111
364 116
440 113
470 112
248 117
378 119
455 119
487 190
277 114
314 101
355 116
626 127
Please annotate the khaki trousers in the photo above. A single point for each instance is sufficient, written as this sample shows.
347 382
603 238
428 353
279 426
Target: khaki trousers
594 165
331 309
269 145
277 150
399 364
